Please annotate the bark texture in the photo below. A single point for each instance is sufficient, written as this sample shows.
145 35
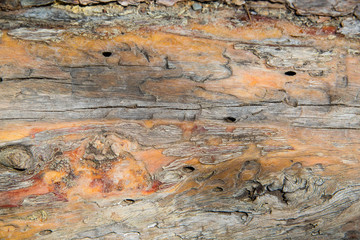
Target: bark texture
199 121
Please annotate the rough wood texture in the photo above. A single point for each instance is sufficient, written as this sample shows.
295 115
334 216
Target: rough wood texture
169 123
306 7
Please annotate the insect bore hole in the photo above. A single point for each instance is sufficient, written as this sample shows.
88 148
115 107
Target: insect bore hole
188 169
218 189
107 54
290 73
1 79
129 201
19 169
45 232
230 119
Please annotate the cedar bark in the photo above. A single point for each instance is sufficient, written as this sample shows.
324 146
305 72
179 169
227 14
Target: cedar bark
198 121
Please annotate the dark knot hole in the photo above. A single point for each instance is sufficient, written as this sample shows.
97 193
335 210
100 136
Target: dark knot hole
107 54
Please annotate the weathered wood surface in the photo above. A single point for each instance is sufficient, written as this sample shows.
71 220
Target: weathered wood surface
155 123
307 7
184 73
169 180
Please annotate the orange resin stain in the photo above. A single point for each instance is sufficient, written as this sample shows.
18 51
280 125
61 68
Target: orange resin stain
51 177
16 131
248 85
125 176
153 159
161 43
14 198
13 51
130 175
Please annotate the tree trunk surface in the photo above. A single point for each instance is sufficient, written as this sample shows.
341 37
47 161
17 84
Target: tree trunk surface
179 120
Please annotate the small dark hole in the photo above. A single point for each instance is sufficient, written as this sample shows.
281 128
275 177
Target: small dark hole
107 54
45 232
218 189
188 169
19 169
129 201
1 79
230 119
290 73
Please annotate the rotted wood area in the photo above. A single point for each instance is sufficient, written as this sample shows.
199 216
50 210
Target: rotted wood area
204 120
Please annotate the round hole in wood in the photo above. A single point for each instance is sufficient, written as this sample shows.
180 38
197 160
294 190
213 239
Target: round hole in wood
290 73
45 232
230 119
107 54
129 201
218 189
188 169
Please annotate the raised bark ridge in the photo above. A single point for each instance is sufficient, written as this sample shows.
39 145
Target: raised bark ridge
178 124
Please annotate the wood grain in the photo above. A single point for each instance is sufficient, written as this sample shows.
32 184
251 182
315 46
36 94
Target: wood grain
204 126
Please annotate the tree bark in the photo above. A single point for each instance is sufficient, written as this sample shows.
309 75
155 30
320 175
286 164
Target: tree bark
234 120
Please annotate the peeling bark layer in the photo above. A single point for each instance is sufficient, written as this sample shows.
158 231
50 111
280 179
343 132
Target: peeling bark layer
142 123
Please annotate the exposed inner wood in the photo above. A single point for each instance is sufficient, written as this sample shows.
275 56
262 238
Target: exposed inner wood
179 124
